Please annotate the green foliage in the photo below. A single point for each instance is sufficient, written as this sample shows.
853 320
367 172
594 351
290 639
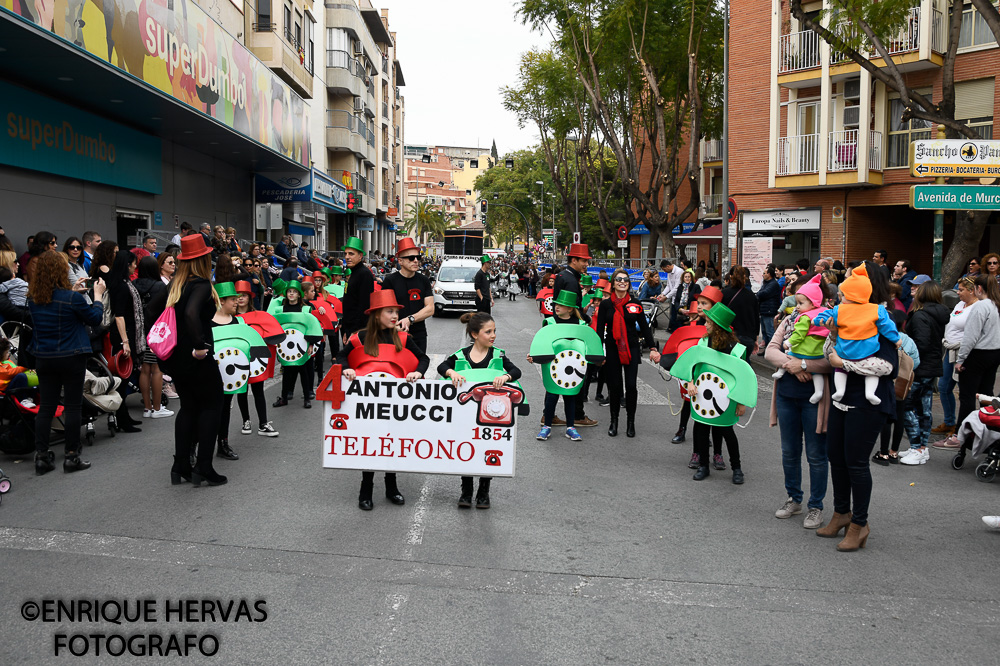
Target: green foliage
423 218
886 19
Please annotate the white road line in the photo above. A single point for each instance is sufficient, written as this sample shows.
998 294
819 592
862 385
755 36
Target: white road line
415 535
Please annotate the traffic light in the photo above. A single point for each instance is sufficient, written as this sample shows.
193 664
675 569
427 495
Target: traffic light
509 163
352 201
483 206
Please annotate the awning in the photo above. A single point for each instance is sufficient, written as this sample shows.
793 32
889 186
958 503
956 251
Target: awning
300 230
711 235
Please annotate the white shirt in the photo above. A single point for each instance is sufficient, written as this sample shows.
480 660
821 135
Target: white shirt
955 328
673 281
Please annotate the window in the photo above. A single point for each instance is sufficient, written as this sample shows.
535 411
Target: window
975 31
264 15
311 47
298 30
974 106
901 134
288 22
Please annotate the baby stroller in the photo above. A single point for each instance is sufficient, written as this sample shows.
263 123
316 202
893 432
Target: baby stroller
652 309
100 396
986 443
18 409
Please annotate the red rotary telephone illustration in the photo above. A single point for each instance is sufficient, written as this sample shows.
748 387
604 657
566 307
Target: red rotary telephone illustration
339 421
496 405
493 458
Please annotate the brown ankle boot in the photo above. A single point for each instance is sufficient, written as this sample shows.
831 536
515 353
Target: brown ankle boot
857 537
832 529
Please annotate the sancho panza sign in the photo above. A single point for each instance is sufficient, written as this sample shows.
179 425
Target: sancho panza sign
806 219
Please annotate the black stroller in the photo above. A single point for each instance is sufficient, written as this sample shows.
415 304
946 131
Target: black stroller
987 470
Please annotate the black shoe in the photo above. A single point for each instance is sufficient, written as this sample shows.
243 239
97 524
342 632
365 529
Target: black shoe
679 436
365 504
482 501
465 501
74 464
280 402
701 474
604 402
738 476
43 462
600 397
226 451
128 427
181 471
312 395
306 404
613 427
630 427
209 476
396 498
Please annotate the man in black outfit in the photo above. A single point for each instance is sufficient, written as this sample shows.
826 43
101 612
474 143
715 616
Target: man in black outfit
484 297
413 291
357 296
577 261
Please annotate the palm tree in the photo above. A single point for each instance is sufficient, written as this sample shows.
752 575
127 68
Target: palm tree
424 218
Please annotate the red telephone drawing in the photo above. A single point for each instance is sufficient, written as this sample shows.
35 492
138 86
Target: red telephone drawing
339 421
493 458
496 405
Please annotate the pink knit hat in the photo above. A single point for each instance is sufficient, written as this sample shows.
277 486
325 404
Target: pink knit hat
812 290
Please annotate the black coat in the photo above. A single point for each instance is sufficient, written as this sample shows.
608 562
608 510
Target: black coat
744 305
635 326
926 328
769 298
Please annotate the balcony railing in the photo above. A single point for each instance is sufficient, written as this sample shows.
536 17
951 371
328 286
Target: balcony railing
342 119
906 41
265 25
712 203
711 150
799 50
798 154
344 60
843 151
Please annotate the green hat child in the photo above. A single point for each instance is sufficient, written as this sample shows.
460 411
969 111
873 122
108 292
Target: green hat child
721 316
336 270
566 298
586 281
294 284
225 289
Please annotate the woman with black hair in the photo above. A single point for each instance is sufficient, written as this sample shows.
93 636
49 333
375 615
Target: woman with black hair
73 249
104 256
148 285
126 309
43 241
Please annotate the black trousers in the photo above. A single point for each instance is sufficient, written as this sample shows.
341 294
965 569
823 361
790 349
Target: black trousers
197 422
892 431
420 338
317 359
368 482
551 400
718 434
290 373
614 372
979 372
850 438
484 306
225 415
259 403
55 376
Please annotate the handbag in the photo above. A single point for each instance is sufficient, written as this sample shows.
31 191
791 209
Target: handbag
162 338
905 377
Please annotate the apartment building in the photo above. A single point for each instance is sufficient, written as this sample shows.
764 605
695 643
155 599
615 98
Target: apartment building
818 149
446 176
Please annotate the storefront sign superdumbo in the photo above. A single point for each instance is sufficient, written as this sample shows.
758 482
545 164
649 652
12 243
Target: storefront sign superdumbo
427 426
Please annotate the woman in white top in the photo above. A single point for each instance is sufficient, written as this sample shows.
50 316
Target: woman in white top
953 334
979 355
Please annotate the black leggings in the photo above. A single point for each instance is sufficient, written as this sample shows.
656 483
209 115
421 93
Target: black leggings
614 371
55 375
259 403
979 372
850 438
719 433
198 420
892 431
292 372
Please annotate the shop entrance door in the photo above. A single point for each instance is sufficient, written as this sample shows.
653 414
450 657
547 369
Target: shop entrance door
129 222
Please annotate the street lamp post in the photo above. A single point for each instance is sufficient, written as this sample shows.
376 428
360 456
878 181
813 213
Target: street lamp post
576 182
541 208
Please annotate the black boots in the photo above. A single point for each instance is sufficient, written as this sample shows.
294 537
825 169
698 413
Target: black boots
679 437
701 473
203 471
280 402
613 427
738 476
392 492
226 451
44 462
465 499
72 463
181 471
306 403
483 496
630 426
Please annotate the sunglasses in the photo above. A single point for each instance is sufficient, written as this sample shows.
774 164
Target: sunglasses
621 278
53 242
973 263
75 247
412 257
992 263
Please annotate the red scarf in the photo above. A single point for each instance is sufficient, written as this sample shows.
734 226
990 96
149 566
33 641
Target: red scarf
619 332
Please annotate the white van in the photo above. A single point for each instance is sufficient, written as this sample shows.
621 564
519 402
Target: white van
455 289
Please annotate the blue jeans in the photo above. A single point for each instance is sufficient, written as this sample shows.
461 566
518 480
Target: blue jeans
946 388
797 422
766 329
918 412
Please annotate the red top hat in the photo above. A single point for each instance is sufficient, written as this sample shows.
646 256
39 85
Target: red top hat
383 299
713 294
579 250
602 284
309 278
405 244
243 287
192 247
317 274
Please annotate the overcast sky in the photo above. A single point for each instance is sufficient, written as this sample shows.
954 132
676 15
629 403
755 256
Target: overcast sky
455 56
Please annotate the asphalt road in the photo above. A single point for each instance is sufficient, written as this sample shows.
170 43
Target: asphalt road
601 551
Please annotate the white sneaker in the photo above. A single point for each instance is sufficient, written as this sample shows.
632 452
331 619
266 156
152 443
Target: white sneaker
788 509
814 519
916 457
992 521
161 413
146 413
267 430
247 428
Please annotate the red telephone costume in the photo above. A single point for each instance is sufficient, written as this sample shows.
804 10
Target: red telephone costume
389 361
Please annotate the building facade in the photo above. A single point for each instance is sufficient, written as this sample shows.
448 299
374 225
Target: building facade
446 176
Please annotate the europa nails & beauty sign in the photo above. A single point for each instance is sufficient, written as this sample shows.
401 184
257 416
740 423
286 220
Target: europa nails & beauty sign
428 426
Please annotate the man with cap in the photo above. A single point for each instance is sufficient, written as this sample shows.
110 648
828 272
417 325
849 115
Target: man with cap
413 291
357 297
484 297
577 260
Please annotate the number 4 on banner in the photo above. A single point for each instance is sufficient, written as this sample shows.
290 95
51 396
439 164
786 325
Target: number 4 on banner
329 388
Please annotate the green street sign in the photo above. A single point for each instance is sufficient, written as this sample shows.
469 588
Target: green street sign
955 197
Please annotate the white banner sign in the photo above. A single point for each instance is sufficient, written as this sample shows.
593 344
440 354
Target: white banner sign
427 426
757 254
781 220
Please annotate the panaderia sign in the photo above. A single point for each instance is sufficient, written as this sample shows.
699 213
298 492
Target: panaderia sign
428 426
173 45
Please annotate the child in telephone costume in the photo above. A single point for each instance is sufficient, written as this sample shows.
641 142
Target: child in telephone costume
483 365
721 385
382 350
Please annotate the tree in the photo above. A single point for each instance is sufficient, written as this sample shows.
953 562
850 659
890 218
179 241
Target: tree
860 29
644 67
425 219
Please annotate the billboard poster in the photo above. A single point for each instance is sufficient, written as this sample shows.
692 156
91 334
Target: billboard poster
757 254
174 46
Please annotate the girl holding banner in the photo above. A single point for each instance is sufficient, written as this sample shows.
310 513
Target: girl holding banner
382 349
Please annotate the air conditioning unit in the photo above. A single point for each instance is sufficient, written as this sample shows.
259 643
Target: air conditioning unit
852 116
852 89
359 104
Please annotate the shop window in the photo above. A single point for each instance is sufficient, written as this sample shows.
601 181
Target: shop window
975 31
901 134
